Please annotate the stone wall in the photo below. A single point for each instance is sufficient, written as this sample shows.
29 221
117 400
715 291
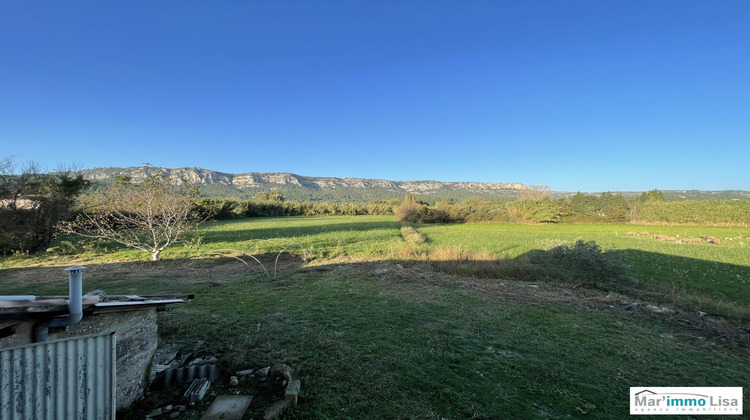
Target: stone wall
15 333
136 344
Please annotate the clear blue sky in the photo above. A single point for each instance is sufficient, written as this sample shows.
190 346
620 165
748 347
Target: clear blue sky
577 95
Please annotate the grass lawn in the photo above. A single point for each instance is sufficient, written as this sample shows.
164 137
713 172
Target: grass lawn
720 271
374 336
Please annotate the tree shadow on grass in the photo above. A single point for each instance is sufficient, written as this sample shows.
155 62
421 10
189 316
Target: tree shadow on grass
296 231
721 280
716 287
168 276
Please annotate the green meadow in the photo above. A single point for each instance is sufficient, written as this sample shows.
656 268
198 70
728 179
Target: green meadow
720 271
375 328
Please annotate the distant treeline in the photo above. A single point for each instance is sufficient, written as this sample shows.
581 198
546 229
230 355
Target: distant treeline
650 207
694 212
580 208
350 194
274 205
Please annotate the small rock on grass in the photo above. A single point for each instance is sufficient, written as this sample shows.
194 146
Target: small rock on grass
154 413
662 310
263 373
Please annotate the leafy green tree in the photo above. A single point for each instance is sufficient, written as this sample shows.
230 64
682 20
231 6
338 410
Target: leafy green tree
33 202
583 206
606 207
653 195
274 196
613 207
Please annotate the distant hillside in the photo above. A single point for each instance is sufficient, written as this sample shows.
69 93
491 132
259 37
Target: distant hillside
679 194
306 188
246 185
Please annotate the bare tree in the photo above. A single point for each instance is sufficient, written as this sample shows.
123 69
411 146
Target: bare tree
151 215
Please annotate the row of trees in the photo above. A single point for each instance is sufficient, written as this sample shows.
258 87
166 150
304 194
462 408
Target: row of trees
693 211
262 206
580 208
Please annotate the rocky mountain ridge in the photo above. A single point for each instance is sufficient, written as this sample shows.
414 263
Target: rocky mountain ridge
264 180
298 187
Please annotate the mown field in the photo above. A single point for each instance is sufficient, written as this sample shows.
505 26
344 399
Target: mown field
720 271
374 330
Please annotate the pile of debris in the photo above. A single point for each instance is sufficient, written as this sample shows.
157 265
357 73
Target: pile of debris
202 369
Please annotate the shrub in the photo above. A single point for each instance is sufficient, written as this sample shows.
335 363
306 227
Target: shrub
408 211
583 262
477 210
428 214
216 208
535 211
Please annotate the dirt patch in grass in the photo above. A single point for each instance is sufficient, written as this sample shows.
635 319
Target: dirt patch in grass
156 277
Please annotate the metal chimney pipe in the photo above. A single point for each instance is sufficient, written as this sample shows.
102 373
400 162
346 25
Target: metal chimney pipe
75 297
75 305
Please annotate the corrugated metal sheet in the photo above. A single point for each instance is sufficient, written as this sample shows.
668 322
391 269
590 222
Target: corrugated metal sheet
189 374
61 379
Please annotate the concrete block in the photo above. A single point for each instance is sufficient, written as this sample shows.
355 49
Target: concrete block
292 391
276 409
196 391
228 407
